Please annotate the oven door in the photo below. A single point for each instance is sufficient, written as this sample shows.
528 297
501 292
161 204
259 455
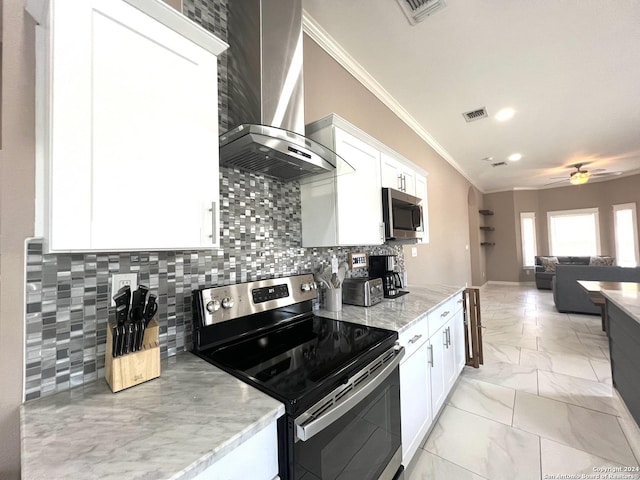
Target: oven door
356 434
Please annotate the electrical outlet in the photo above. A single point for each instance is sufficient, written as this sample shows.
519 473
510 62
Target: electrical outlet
119 280
414 251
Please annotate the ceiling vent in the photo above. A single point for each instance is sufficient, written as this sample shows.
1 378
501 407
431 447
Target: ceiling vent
499 164
474 115
417 10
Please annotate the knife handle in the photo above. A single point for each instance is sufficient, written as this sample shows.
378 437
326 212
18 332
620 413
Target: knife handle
141 334
116 339
121 332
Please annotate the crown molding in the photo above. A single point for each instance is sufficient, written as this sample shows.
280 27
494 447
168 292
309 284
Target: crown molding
319 35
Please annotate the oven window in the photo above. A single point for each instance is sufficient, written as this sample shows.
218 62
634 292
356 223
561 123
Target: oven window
360 444
406 217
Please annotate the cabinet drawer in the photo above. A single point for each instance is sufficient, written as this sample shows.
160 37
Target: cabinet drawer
443 313
414 337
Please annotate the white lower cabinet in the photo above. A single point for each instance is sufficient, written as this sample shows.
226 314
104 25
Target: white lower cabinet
256 458
415 401
441 366
429 370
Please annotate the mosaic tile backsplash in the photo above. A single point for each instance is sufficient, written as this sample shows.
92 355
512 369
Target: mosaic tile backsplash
68 295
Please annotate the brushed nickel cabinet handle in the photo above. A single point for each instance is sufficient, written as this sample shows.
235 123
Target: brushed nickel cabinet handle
415 338
430 361
444 314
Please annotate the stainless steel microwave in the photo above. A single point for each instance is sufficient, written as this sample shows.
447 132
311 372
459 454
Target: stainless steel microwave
401 214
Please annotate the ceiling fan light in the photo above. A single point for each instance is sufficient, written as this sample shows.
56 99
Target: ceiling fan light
579 178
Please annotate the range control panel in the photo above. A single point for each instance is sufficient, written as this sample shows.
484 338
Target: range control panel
265 294
220 304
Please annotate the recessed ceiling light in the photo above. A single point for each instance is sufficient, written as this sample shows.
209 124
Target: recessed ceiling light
514 157
505 114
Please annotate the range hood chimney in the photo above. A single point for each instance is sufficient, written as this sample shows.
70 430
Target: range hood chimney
266 96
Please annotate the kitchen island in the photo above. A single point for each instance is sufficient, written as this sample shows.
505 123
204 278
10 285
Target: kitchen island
623 327
195 415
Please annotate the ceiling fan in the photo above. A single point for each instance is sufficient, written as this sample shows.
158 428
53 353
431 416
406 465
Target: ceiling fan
581 176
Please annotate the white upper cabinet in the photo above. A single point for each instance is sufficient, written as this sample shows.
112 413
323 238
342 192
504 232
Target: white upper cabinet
127 104
343 208
397 175
400 174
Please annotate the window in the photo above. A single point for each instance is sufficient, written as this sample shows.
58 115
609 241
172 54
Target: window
625 226
528 233
574 232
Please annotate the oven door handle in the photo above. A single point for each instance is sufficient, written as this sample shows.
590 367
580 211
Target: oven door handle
304 430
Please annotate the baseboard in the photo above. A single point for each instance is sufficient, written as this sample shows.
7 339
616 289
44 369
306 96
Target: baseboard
517 284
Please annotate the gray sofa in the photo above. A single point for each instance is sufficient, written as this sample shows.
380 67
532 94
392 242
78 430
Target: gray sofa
570 297
543 278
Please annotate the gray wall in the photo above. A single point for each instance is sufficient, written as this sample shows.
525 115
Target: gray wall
504 261
16 218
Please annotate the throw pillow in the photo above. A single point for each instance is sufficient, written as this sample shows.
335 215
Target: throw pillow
602 261
549 263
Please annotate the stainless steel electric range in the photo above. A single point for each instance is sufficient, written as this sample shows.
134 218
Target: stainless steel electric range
339 381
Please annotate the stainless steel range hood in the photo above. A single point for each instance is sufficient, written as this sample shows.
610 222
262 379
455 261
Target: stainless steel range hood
266 95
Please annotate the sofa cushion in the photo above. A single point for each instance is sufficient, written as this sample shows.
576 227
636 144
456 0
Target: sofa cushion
549 263
602 261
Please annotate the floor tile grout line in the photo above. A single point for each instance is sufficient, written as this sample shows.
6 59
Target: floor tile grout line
571 446
628 442
457 465
540 450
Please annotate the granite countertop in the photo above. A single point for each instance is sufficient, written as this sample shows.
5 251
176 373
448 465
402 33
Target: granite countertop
398 313
627 298
179 424
173 427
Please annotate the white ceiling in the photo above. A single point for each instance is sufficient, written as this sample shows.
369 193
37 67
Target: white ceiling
570 69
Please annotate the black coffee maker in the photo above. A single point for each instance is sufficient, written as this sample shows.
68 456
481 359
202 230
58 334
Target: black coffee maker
383 266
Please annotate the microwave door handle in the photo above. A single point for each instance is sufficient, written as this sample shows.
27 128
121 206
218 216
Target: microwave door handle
306 429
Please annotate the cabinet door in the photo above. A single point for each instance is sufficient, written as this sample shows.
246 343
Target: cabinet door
408 180
135 120
359 206
415 401
390 171
256 458
397 175
438 360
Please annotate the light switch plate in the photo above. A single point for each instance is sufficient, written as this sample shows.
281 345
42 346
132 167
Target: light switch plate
414 251
334 264
119 280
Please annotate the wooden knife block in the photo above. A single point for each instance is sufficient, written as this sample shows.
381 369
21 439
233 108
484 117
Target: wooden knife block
134 368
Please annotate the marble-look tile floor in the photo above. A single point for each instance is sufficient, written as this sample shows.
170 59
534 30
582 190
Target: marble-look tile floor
542 405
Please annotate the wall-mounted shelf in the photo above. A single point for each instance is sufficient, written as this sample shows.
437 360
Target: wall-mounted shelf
486 228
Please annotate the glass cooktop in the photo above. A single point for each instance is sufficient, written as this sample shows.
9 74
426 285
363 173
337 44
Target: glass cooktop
300 358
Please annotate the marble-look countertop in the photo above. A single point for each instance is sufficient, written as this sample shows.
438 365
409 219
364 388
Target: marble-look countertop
627 298
172 427
398 313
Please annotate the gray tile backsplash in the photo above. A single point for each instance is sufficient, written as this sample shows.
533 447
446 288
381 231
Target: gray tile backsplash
68 295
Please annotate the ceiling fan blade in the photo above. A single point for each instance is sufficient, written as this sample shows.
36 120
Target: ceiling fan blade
596 170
